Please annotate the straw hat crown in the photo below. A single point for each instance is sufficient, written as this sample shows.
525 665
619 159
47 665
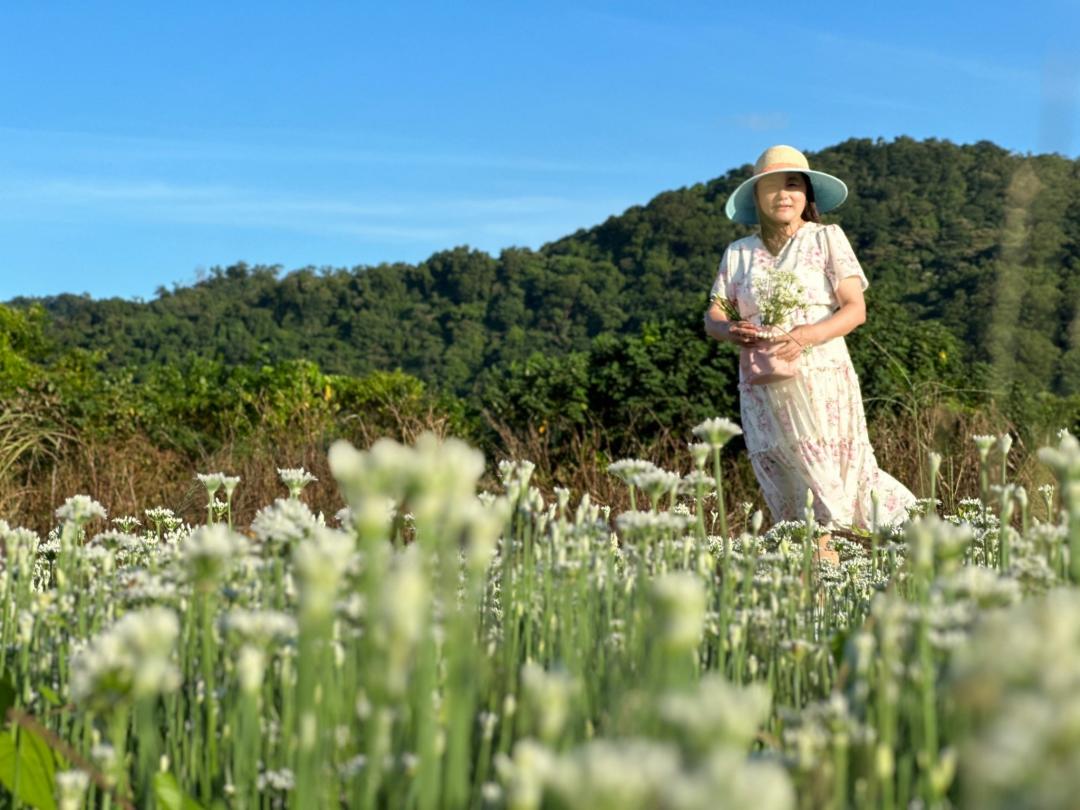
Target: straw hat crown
829 191
780 157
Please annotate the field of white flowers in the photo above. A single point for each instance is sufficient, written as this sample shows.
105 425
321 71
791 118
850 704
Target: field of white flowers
431 646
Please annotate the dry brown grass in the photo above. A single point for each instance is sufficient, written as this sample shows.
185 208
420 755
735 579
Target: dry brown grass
131 474
902 444
590 455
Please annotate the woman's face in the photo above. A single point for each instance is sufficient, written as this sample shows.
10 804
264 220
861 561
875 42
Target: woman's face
781 197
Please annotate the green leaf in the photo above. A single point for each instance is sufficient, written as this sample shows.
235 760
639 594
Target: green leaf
169 795
37 769
49 695
8 695
837 645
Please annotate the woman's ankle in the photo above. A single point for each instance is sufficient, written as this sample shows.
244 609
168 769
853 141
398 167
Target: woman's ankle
825 550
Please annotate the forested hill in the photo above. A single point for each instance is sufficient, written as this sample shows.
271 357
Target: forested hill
972 237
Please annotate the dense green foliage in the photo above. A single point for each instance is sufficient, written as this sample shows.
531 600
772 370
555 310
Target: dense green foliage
195 405
973 255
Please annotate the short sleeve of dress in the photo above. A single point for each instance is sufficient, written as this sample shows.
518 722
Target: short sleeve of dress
841 258
722 287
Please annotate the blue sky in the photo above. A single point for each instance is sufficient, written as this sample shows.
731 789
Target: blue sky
143 142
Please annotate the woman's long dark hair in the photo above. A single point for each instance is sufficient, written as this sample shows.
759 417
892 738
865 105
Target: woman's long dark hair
809 214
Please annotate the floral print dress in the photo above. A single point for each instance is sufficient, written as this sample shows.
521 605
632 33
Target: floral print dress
809 432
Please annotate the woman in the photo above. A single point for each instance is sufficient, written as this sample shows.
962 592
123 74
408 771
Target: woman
807 431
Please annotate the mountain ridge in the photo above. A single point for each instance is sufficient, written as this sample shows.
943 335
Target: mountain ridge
972 237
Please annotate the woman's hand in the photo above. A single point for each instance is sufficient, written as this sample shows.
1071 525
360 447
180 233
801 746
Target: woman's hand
789 346
744 333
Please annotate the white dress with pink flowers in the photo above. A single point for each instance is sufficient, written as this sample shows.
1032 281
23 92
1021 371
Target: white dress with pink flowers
809 432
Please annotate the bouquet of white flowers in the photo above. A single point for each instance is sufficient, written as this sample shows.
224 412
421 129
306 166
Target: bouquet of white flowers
777 294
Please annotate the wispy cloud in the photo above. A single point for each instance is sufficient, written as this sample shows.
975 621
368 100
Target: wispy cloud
403 220
762 122
867 100
688 26
303 148
875 52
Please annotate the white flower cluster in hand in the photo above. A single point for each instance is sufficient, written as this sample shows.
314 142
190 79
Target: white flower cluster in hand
80 509
778 294
130 660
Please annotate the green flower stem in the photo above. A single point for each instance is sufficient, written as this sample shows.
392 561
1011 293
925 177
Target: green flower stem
725 563
149 747
208 659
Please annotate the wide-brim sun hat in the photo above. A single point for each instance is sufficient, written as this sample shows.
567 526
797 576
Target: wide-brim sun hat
829 191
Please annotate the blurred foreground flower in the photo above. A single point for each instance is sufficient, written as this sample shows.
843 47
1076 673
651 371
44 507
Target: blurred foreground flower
1018 683
640 774
130 660
210 550
679 603
80 509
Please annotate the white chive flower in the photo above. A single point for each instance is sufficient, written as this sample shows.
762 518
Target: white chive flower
80 509
285 521
717 431
71 789
212 481
295 479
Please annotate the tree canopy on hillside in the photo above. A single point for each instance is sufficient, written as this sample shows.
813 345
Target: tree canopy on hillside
969 241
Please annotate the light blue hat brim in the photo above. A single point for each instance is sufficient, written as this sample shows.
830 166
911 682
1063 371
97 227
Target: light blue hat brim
829 193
